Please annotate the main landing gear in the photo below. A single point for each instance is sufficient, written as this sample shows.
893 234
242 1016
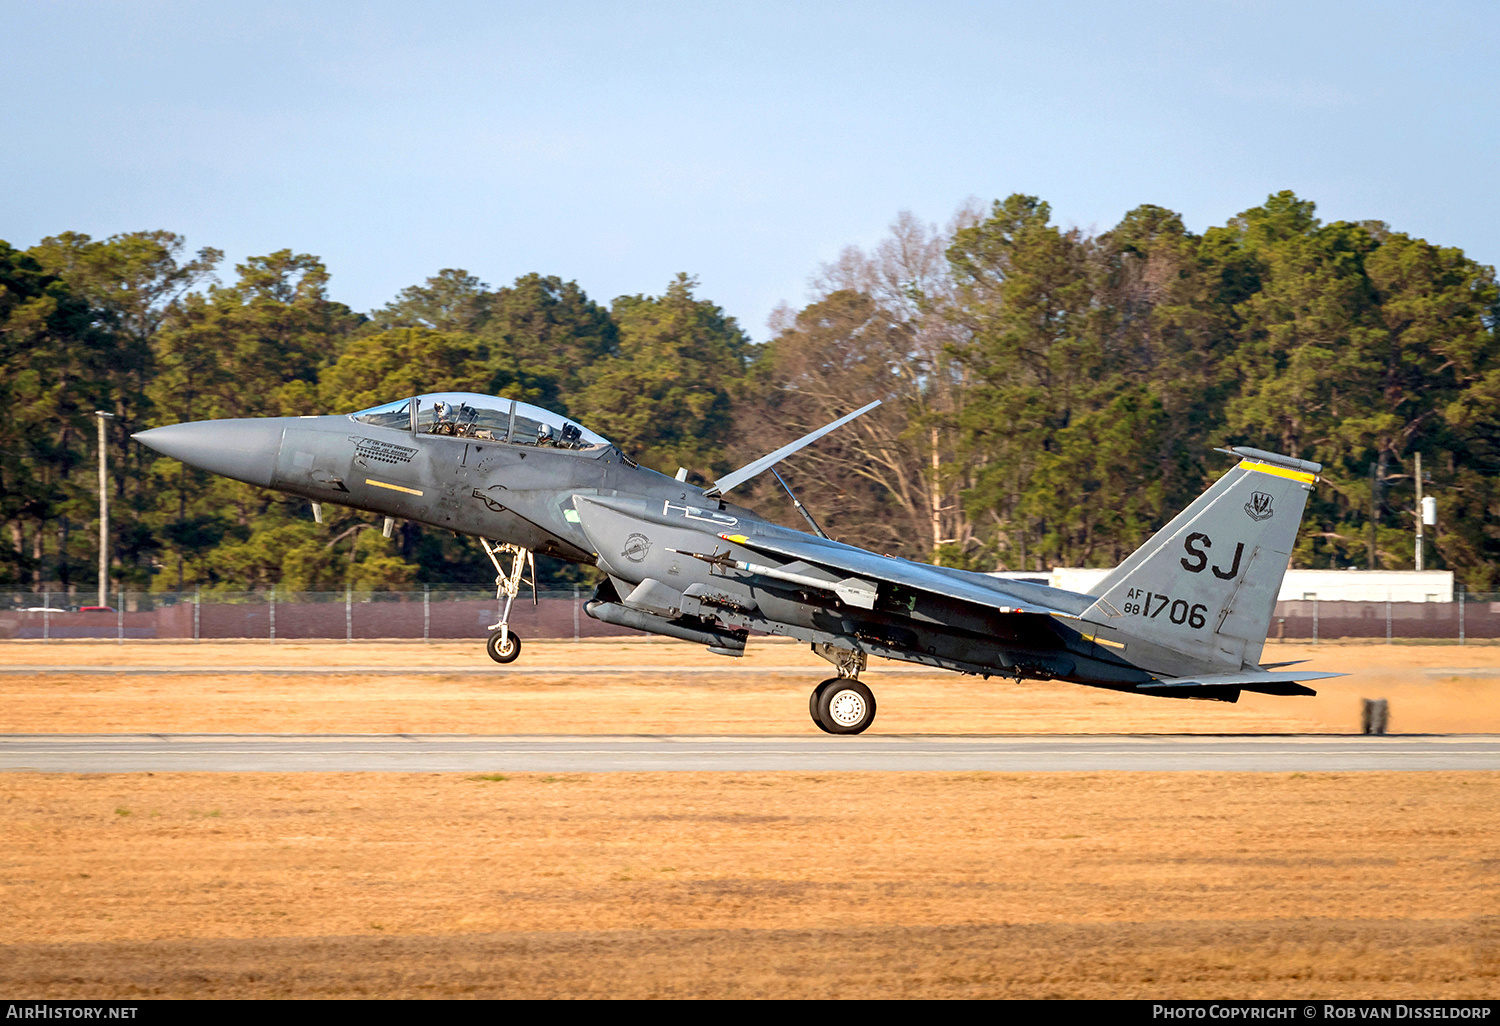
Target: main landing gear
842 705
504 645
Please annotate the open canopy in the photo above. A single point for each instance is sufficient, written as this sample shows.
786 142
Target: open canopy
486 417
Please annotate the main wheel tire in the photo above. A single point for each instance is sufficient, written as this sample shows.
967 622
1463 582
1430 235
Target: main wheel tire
846 707
812 703
509 652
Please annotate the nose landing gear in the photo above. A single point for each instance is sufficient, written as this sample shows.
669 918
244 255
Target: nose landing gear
504 645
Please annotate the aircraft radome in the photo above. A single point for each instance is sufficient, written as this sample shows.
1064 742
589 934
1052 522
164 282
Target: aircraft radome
1185 616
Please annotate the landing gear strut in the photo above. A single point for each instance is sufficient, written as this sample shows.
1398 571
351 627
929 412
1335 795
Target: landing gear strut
842 705
504 645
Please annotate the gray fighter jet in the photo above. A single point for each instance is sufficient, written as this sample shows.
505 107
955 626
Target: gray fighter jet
1185 616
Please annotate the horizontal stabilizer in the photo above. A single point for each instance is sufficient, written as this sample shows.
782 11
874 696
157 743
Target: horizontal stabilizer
1249 677
1284 683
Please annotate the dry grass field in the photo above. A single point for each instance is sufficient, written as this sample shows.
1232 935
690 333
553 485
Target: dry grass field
1156 885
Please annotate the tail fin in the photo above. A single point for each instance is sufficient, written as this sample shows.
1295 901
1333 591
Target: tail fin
1204 586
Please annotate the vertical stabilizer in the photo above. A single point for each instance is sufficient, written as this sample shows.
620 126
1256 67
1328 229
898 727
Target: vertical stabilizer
1205 585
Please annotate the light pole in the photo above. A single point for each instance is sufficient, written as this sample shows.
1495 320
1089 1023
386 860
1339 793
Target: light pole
103 512
1426 513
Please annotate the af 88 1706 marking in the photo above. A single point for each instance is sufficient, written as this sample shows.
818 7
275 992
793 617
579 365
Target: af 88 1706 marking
1150 605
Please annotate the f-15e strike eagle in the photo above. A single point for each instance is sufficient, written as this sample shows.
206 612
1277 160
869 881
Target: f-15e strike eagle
1185 616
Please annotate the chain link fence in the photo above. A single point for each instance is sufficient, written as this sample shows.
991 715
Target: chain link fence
466 612
1471 616
427 615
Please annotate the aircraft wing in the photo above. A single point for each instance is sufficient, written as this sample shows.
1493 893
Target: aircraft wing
963 585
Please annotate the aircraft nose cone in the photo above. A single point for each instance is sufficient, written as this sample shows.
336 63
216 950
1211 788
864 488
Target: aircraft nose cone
242 449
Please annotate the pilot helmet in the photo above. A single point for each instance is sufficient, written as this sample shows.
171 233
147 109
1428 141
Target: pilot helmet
543 432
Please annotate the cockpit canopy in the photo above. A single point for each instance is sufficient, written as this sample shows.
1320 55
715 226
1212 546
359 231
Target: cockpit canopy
486 417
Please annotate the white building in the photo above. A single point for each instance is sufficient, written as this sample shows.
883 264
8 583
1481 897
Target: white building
1299 585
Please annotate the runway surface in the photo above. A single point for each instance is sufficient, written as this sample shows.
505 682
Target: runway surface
443 753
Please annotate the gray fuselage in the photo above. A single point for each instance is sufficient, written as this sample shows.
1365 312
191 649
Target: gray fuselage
596 507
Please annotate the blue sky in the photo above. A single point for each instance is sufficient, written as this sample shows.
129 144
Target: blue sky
617 144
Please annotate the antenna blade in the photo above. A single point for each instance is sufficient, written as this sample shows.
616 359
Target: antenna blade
749 470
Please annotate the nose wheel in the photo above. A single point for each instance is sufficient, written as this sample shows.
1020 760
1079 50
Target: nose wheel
503 647
842 705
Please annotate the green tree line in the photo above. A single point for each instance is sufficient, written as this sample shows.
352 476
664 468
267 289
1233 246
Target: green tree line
1051 396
